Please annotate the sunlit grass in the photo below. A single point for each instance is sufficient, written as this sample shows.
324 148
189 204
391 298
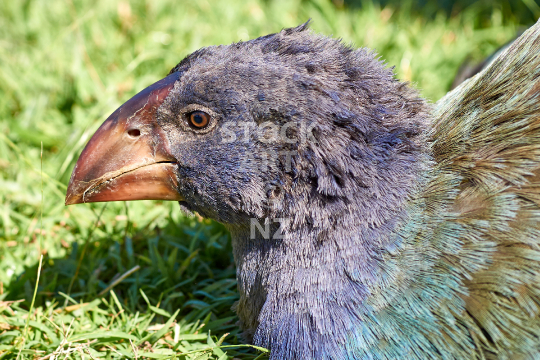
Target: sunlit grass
65 66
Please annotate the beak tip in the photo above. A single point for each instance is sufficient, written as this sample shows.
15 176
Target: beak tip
72 197
70 201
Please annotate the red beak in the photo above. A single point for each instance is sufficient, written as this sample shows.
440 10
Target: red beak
129 157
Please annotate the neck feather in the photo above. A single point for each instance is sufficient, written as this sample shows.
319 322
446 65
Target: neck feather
323 289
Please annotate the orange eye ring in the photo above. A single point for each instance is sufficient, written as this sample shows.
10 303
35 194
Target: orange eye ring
198 119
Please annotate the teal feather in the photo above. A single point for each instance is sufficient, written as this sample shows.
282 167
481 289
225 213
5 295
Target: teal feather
473 277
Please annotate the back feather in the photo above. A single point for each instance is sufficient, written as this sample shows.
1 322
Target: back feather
487 135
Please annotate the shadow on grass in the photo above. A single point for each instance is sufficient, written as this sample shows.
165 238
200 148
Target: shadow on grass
187 266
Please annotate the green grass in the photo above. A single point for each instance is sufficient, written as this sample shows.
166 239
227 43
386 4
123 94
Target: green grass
65 66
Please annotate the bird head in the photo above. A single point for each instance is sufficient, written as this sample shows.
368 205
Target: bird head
276 126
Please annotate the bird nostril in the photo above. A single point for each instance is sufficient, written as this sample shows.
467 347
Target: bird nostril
134 133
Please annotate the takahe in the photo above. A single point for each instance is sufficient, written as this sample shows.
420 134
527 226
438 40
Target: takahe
366 223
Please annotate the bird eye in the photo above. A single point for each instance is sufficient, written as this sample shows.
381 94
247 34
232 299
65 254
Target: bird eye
198 119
